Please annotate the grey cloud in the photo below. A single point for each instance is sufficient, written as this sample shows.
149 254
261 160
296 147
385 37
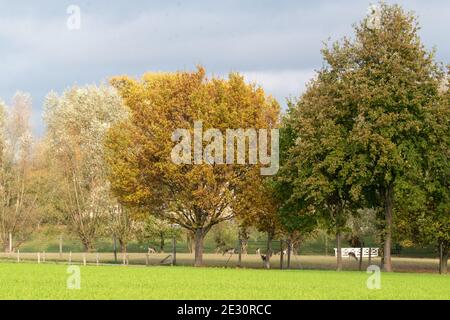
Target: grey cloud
275 43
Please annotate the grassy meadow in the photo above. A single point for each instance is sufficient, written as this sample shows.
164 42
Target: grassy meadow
49 281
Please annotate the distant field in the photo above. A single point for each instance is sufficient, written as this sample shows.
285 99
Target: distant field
49 281
418 265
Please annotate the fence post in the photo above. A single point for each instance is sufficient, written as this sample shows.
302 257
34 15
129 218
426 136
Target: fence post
174 251
18 255
43 257
70 257
361 258
240 252
115 249
370 256
60 245
281 254
84 259
289 244
39 257
97 259
146 259
10 242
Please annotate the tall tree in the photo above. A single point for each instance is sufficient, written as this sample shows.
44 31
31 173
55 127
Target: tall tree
313 184
19 216
192 194
438 174
391 82
76 124
424 217
368 127
298 220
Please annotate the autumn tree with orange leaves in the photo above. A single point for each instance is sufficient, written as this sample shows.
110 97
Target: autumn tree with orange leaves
142 173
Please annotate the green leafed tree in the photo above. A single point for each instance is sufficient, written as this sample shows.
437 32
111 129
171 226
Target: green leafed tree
157 230
424 218
391 82
361 127
313 182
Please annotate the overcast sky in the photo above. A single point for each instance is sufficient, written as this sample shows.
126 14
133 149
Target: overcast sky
275 43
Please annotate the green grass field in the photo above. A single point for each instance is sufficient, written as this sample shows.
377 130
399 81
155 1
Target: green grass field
49 281
251 261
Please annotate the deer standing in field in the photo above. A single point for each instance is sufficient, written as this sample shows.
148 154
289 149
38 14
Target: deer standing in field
229 251
266 260
352 255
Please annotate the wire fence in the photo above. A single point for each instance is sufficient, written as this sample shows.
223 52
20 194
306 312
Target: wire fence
251 254
67 243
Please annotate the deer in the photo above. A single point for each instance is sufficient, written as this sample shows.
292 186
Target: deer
352 255
230 251
265 259
151 250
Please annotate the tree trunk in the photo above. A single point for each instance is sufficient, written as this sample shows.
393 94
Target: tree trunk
115 249
240 252
189 241
361 248
244 246
295 248
6 242
244 239
269 250
339 249
88 246
388 211
382 251
174 251
443 257
161 243
281 254
199 237
297 253
123 246
289 251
